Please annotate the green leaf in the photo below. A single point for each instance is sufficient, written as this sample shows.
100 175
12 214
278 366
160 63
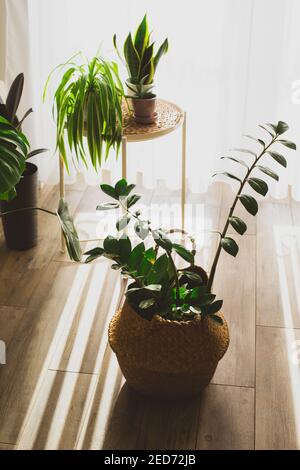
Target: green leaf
184 253
69 231
237 160
249 203
212 308
216 319
154 287
192 276
161 51
141 228
94 254
147 303
268 172
272 126
258 185
159 270
123 222
111 245
288 144
132 58
162 240
124 248
282 127
14 96
136 256
109 190
272 134
121 188
107 206
206 299
242 150
238 224
278 158
230 246
131 200
141 37
230 175
260 141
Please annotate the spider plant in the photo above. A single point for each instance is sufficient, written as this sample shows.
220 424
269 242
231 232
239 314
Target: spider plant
88 103
140 60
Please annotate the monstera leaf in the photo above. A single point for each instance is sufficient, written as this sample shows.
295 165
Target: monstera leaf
69 231
13 152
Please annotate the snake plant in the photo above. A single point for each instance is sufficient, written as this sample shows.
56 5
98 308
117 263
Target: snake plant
88 103
140 60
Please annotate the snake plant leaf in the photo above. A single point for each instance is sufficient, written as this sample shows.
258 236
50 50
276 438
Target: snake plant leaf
230 175
237 160
216 319
238 224
148 71
212 308
287 143
183 253
69 231
258 185
278 158
14 96
161 51
282 127
94 254
268 172
230 246
249 203
242 150
141 37
144 67
132 58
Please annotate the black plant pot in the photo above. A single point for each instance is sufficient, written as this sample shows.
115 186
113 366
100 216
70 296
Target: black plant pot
21 230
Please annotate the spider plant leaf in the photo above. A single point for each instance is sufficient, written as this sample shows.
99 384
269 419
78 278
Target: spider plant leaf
238 224
132 57
230 246
141 37
278 158
69 231
161 51
258 185
268 172
237 160
14 96
287 143
249 203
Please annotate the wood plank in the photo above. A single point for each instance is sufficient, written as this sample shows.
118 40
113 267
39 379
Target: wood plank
82 345
51 307
237 367
56 417
278 241
277 389
6 446
10 317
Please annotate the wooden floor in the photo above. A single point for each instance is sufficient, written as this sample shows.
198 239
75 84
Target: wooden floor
61 387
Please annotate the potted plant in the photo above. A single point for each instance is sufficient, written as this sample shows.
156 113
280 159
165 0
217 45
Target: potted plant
141 63
88 103
170 334
20 229
14 150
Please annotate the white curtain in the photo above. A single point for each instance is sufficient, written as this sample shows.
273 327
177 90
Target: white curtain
232 64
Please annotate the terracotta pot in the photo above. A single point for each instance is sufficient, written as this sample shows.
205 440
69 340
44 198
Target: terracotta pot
167 359
21 229
144 110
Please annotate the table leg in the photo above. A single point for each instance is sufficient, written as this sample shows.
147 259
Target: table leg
124 158
62 196
183 173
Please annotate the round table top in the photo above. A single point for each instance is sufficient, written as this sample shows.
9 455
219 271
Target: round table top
169 118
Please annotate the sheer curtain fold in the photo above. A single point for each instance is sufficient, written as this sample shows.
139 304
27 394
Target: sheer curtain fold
231 65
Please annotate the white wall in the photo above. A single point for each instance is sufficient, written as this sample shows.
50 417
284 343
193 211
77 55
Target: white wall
2 39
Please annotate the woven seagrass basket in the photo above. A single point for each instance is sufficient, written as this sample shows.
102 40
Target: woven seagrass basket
167 359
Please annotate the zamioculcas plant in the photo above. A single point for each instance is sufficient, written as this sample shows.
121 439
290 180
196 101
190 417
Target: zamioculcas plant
274 132
140 59
88 103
